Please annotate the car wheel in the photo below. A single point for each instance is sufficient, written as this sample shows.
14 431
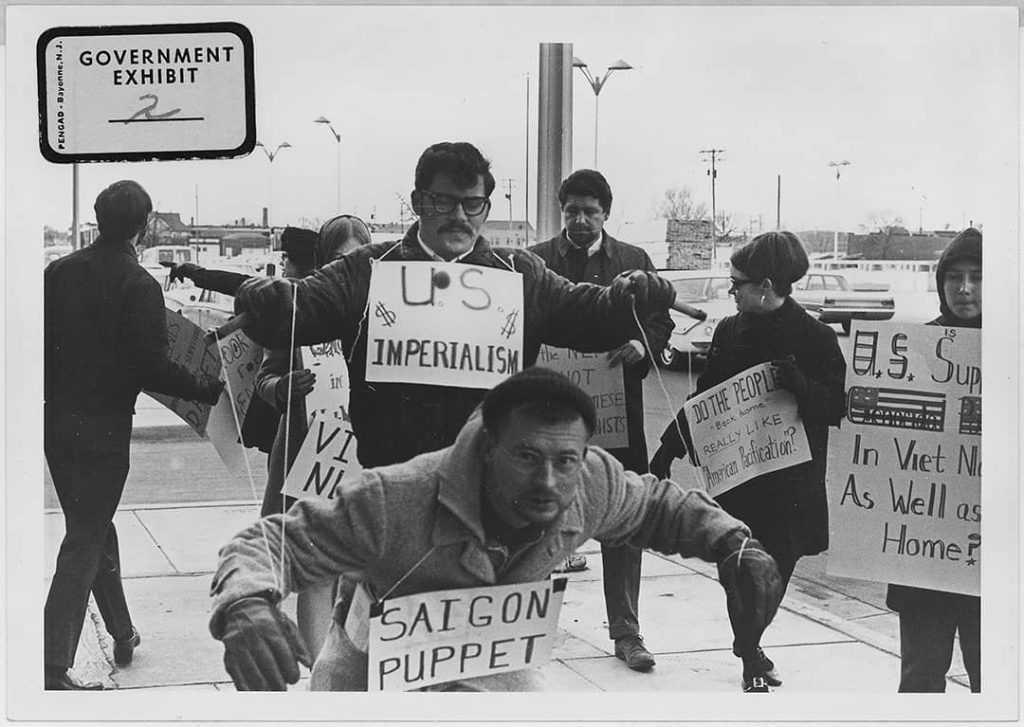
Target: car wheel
672 359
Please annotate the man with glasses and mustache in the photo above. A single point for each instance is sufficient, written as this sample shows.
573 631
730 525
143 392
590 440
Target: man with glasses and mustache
394 422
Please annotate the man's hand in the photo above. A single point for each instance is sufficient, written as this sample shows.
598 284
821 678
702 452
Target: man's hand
301 383
788 376
661 463
262 647
753 589
210 388
182 271
630 352
651 291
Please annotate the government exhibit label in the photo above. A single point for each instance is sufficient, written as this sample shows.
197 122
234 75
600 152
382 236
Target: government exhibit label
444 323
142 92
605 385
744 427
432 638
904 469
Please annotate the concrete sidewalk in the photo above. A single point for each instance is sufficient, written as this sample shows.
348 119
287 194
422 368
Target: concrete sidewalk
169 553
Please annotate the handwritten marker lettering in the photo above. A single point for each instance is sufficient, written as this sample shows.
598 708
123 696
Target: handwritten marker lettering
510 324
387 317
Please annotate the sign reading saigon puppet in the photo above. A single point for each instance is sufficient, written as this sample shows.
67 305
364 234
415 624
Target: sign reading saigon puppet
904 469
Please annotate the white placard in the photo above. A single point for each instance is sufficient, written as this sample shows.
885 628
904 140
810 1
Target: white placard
744 427
331 391
327 456
138 92
605 384
187 346
444 323
904 469
432 638
240 357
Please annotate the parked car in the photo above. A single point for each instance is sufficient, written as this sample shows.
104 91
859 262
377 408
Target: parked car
212 310
833 300
704 289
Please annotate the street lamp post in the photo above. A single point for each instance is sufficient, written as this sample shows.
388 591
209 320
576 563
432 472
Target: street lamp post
337 138
835 232
597 84
271 155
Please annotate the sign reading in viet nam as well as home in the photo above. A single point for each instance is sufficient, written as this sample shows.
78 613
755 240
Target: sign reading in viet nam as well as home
605 384
432 638
142 92
904 469
744 427
444 323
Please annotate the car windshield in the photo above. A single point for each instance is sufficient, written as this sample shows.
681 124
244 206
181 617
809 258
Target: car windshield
701 289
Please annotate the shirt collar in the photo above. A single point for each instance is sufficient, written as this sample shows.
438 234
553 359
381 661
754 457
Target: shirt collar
564 243
434 256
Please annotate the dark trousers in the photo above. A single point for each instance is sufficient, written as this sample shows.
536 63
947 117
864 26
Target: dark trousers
620 572
88 460
926 645
786 566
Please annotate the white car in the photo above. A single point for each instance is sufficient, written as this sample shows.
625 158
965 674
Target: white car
707 290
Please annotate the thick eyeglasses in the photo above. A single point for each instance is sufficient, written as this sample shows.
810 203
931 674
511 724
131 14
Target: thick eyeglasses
444 203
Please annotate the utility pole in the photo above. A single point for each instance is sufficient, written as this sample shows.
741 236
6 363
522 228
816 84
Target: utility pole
835 232
778 202
526 193
508 195
712 156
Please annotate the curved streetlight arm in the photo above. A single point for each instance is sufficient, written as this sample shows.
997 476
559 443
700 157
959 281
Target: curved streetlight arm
324 120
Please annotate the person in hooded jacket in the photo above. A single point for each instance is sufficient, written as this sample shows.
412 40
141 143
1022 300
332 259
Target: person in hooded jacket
786 510
929 619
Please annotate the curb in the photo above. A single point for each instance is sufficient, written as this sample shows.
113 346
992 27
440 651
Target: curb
165 433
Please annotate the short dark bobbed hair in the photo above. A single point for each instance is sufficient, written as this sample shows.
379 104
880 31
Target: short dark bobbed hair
543 394
122 210
778 256
587 183
459 160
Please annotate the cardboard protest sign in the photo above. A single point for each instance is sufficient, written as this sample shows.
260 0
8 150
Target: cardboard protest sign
605 384
327 456
241 358
187 347
432 638
744 427
904 469
444 323
330 393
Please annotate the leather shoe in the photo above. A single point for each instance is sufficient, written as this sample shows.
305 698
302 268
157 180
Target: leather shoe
631 650
61 680
755 684
124 649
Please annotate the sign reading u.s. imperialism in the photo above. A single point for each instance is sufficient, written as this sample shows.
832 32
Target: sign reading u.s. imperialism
746 426
444 323
432 638
605 385
904 471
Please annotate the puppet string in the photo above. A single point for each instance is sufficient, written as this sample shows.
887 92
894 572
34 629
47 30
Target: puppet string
657 372
286 465
245 458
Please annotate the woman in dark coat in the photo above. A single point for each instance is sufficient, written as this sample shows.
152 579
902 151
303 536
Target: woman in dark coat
787 509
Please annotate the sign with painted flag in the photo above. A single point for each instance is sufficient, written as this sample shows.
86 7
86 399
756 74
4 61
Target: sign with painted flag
904 469
432 638
605 384
186 346
444 323
744 427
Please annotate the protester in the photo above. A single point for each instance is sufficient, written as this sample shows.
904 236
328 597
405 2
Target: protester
787 509
396 421
105 336
584 251
517 492
930 620
339 236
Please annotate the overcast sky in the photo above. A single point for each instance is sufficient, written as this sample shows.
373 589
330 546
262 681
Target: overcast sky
921 101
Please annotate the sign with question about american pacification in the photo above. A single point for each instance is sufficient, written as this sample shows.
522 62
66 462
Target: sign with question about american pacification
444 323
904 468
143 92
744 427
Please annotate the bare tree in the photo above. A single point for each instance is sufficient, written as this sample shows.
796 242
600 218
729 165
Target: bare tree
881 220
725 225
679 204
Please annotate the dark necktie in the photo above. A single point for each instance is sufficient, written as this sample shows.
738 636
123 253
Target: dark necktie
575 263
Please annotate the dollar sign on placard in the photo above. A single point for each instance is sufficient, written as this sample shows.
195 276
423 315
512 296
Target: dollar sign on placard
387 317
510 324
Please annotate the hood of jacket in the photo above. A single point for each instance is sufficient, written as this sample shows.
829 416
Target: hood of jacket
965 246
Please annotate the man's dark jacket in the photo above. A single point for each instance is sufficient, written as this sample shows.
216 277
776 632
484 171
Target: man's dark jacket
105 333
614 257
397 421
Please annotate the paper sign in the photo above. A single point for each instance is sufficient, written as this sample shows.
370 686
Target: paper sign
327 456
444 323
605 384
241 358
187 347
330 394
432 638
142 92
744 427
904 469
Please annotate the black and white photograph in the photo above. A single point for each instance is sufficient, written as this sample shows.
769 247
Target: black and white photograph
628 356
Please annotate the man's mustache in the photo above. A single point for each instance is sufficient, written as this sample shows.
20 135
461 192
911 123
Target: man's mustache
456 227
